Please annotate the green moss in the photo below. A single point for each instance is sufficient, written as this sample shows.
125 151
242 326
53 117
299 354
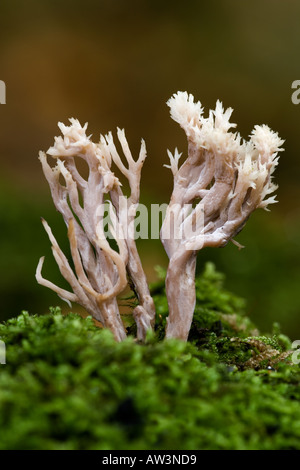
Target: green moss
220 325
68 385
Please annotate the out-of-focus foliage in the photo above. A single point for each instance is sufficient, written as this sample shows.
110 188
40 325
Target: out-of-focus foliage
22 241
266 272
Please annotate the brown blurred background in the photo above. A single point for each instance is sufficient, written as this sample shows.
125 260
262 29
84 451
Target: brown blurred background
115 63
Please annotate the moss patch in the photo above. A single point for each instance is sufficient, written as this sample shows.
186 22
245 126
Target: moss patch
68 385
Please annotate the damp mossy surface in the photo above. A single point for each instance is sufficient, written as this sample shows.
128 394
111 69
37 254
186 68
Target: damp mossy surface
67 384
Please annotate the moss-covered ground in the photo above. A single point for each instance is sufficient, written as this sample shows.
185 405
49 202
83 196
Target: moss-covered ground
67 384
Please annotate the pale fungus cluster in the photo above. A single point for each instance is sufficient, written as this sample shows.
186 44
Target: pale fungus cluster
217 186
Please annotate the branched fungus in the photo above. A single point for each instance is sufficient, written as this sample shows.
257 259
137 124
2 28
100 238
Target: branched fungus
221 182
217 187
100 271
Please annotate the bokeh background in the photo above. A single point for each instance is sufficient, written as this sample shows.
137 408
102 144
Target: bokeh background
115 63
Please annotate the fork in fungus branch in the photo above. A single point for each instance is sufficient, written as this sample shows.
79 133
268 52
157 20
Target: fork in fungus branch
221 182
100 271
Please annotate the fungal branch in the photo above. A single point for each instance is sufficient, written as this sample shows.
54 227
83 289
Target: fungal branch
221 182
99 273
144 313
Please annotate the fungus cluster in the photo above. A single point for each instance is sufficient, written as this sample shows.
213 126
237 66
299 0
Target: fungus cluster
220 183
100 272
